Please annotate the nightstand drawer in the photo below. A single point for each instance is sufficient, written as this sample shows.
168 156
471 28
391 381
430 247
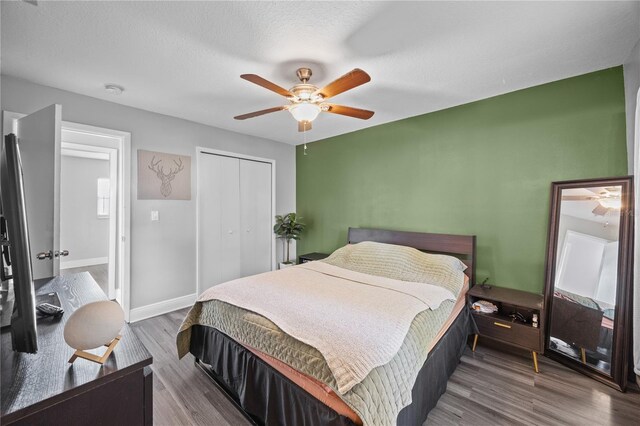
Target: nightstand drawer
521 335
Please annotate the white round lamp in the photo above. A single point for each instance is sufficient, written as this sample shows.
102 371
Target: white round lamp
93 325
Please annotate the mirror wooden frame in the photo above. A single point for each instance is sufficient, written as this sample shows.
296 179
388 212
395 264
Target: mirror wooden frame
622 323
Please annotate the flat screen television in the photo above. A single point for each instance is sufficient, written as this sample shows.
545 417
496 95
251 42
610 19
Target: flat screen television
24 335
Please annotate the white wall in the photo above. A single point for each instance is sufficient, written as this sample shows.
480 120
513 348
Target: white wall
81 231
163 253
631 86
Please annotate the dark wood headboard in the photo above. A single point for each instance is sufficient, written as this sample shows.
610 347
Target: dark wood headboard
460 246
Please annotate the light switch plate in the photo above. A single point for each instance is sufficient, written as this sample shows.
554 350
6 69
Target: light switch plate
154 215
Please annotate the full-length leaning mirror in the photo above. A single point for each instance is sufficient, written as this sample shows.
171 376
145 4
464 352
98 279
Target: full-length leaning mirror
588 277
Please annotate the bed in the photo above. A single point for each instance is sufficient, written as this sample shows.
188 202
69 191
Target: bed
276 378
583 322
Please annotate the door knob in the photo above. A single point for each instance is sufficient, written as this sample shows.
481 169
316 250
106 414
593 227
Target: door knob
248 229
44 255
230 231
61 253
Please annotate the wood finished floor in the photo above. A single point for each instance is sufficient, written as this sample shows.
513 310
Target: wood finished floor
100 273
489 387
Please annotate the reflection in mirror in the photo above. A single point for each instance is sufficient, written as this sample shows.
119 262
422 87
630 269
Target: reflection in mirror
586 265
588 277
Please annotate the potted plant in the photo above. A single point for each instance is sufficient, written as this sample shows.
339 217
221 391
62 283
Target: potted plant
287 228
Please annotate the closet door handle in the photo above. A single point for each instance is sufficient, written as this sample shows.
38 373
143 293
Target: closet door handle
248 229
230 231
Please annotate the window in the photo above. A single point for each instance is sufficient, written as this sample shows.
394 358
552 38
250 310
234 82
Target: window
103 197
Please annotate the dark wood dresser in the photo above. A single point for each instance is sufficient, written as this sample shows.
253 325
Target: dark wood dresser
513 322
43 388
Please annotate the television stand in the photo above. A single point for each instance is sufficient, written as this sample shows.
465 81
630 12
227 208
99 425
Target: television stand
36 388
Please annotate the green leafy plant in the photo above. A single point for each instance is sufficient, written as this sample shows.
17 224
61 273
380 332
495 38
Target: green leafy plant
287 228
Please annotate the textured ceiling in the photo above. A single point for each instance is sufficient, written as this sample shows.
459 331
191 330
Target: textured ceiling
184 58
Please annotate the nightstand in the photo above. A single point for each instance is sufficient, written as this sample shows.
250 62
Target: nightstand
309 257
500 326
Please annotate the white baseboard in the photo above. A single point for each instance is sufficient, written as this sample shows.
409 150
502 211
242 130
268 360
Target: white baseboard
80 263
155 309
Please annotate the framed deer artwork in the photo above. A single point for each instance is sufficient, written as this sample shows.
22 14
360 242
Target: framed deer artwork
163 176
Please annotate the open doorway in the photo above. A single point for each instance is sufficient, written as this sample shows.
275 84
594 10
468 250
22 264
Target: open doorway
110 200
88 221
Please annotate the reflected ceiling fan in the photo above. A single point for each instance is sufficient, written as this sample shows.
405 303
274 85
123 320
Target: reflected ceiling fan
306 101
608 198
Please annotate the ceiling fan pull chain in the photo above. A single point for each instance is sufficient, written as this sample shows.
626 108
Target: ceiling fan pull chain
305 142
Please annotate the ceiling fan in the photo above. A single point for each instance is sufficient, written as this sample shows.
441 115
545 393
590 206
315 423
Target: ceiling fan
608 198
595 193
306 101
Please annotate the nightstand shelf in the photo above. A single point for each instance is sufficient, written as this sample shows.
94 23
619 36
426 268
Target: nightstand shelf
310 257
502 327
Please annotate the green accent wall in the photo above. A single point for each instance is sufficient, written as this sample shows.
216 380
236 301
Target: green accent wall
483 168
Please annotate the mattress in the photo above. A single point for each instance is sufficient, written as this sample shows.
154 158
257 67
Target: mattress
323 392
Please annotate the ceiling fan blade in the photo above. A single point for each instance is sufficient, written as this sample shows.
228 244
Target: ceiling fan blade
597 190
256 79
258 113
304 126
362 114
348 81
580 197
600 210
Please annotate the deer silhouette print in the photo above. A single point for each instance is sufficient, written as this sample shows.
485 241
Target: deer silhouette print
165 178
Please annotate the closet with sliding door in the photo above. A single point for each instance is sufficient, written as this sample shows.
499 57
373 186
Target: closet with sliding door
235 217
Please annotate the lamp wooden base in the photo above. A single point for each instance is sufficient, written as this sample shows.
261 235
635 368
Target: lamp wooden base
95 358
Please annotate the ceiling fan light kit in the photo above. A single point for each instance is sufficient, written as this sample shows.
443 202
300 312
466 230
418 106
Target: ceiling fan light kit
306 101
305 111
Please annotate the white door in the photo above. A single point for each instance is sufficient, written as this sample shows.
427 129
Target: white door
218 219
39 141
581 263
255 217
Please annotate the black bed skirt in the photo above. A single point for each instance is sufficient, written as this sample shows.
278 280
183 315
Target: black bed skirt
268 397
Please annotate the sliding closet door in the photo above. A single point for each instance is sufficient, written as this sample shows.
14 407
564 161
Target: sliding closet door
218 219
255 217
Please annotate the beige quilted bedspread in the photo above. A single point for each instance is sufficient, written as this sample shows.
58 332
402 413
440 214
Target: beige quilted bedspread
386 389
333 310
